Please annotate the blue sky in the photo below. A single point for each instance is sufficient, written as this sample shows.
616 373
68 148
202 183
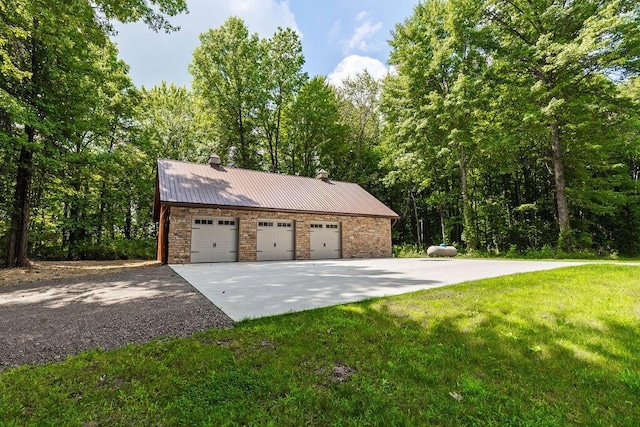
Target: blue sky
339 37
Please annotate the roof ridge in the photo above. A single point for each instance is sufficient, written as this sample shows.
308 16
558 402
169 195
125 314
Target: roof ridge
259 171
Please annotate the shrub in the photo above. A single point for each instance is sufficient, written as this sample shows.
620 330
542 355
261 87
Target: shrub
408 251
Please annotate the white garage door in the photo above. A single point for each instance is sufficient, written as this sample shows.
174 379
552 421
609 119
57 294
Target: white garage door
325 240
276 240
214 239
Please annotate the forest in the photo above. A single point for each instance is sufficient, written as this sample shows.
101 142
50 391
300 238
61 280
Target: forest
502 127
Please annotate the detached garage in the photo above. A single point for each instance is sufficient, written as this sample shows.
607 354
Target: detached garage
212 213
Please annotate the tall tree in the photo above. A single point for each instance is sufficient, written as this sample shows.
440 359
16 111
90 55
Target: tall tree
358 100
439 79
312 128
175 124
226 76
564 48
49 46
46 54
282 76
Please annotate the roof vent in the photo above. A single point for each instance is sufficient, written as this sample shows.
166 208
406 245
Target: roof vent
323 175
214 161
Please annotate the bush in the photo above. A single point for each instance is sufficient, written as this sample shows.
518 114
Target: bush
119 249
106 250
408 251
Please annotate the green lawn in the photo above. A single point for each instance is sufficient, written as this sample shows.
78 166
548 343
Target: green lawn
553 348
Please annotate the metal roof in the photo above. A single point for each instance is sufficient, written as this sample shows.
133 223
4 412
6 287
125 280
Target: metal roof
194 183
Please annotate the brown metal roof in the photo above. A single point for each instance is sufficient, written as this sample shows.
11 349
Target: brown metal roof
194 183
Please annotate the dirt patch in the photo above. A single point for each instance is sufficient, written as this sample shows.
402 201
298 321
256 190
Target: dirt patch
48 270
341 373
51 319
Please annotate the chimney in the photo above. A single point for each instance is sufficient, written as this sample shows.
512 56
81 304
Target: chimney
214 161
323 175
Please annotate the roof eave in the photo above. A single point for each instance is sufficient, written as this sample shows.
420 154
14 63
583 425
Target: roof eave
263 209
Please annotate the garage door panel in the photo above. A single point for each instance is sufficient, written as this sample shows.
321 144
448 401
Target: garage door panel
325 240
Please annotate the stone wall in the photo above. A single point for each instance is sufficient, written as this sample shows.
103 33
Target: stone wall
362 237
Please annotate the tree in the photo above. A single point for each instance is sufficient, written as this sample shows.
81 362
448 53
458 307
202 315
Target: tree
282 76
174 124
312 128
226 76
439 85
564 48
99 106
47 54
519 100
358 99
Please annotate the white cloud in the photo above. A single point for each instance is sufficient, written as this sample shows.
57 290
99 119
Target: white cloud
363 33
354 64
362 15
263 16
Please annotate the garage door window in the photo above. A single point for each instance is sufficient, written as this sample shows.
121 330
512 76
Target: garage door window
204 221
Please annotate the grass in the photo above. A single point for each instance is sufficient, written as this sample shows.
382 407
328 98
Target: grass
551 348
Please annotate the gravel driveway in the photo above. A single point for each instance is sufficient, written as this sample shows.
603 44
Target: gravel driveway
49 320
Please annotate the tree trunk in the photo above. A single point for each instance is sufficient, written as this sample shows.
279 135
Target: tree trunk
442 224
127 222
103 196
76 230
269 135
560 185
468 232
18 236
277 139
415 213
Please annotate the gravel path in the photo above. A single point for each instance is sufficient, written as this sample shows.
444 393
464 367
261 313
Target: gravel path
49 320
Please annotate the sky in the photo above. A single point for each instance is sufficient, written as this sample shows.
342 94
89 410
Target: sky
339 37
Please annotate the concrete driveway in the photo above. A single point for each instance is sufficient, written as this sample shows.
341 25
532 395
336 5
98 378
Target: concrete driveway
257 289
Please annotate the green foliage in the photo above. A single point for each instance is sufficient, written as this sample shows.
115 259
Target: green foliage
511 123
528 349
174 124
226 76
120 249
358 99
105 250
408 251
312 129
282 77
509 126
151 12
66 120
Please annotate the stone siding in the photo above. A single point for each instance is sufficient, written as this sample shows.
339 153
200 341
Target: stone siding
362 237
